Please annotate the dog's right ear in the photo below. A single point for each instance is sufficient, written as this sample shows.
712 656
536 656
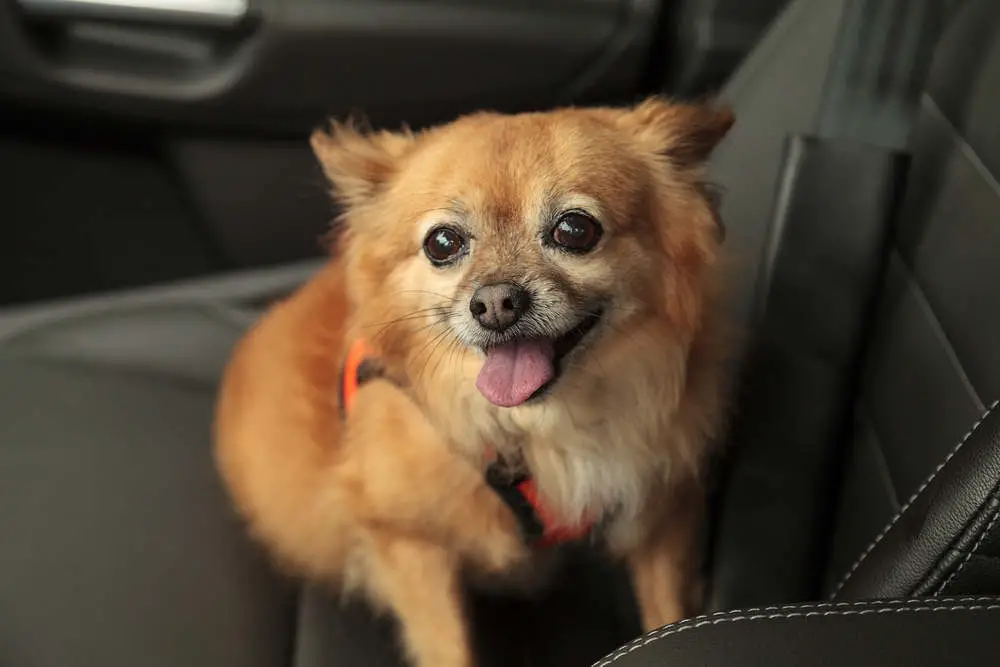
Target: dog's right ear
357 163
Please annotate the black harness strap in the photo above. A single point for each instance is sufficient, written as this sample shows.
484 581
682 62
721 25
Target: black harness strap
507 486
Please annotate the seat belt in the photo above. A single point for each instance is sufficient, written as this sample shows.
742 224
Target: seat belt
827 246
869 104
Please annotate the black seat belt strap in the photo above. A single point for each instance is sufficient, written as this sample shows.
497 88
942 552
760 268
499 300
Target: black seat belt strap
827 246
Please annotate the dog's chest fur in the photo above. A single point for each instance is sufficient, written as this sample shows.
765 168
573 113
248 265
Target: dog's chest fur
593 448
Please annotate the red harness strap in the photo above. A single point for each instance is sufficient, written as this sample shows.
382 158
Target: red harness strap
552 533
520 493
350 376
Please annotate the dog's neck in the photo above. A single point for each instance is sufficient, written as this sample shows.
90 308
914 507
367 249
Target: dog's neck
594 446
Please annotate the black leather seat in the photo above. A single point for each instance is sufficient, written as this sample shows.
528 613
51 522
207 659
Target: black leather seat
789 529
119 548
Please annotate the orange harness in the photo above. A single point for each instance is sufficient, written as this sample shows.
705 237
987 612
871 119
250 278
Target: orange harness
518 491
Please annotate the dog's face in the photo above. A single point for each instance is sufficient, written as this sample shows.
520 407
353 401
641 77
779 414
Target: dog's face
529 247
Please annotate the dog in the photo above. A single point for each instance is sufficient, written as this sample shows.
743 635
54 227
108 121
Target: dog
515 344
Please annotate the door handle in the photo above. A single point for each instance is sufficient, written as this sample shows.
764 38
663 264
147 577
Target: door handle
215 13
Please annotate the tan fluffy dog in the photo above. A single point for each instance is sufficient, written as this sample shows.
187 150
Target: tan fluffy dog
534 287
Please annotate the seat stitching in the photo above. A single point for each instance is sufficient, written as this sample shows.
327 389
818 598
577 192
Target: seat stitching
885 602
863 604
985 506
874 607
910 501
975 548
828 605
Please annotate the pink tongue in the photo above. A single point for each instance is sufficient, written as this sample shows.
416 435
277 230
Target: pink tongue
512 373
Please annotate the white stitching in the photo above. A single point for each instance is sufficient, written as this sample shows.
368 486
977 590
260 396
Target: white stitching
832 608
809 611
825 605
910 501
975 548
701 620
673 629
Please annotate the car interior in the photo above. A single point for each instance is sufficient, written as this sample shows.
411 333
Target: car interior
159 151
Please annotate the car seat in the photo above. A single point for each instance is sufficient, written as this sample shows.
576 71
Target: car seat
857 520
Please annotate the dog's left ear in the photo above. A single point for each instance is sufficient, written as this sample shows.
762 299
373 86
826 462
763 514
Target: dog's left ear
684 133
358 163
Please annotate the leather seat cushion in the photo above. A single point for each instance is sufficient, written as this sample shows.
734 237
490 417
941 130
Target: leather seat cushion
119 545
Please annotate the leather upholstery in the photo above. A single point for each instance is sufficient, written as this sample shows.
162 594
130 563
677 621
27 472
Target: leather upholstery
118 548
933 360
811 325
931 364
956 632
764 548
942 540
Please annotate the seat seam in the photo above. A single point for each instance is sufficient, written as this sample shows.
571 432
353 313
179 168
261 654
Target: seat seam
121 372
964 147
913 283
986 506
967 599
878 451
23 334
916 494
804 611
972 552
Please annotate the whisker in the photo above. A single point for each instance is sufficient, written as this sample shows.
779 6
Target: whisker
447 353
415 314
428 349
449 299
436 312
440 358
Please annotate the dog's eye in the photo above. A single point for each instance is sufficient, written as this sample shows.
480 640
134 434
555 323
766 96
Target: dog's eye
444 245
576 231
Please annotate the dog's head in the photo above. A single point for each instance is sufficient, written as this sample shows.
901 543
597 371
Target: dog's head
527 248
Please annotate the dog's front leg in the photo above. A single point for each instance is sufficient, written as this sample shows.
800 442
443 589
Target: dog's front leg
419 582
664 566
410 482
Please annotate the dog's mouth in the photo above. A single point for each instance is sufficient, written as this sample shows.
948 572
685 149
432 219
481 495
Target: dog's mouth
566 343
525 368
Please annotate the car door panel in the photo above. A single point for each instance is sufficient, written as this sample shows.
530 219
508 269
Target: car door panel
212 100
288 62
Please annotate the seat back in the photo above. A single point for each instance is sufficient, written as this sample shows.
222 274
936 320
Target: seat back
933 363
928 367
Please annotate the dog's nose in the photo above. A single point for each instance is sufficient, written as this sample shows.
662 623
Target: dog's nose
499 305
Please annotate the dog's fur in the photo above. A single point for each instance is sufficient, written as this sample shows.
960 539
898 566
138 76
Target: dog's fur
392 500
